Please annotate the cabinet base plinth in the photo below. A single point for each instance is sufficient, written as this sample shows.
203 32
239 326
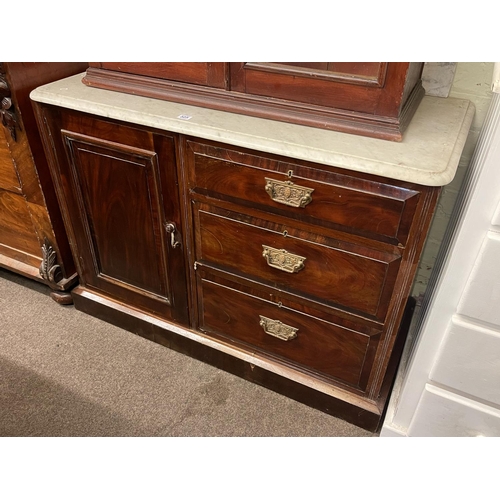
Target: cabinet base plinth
265 373
62 298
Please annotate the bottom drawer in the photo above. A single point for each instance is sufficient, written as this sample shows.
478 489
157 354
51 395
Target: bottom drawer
295 336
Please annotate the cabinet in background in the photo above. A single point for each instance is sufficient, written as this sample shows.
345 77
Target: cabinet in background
33 240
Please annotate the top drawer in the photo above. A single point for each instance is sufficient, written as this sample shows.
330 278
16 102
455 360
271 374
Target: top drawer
348 202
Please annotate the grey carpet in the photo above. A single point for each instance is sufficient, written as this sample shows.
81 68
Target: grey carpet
64 373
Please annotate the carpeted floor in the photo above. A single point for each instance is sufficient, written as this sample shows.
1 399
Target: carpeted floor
64 373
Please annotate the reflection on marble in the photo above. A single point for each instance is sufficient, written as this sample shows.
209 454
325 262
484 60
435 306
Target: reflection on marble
428 155
437 78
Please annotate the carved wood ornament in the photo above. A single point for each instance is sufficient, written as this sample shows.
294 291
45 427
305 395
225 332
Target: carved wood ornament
49 269
9 119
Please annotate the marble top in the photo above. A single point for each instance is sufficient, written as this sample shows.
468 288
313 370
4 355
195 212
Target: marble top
428 155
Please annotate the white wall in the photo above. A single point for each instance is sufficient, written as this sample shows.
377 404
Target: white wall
451 385
472 81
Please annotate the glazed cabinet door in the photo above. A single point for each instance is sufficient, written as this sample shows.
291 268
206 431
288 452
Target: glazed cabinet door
210 74
370 87
118 190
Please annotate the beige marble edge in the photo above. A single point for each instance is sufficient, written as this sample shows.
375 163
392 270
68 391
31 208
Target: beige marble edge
447 174
48 94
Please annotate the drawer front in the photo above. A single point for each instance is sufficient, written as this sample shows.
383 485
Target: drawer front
339 274
285 332
369 208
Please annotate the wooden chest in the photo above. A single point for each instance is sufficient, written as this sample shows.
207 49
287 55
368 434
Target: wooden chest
33 240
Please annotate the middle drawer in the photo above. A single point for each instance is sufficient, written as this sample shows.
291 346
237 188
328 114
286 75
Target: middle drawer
337 273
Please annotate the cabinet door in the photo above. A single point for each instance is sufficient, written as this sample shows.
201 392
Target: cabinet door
120 195
375 88
198 73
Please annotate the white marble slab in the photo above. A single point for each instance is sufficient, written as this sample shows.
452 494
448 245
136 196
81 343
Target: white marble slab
428 155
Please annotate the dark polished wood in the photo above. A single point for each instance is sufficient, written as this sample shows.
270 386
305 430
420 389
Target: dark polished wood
29 211
340 274
320 346
351 408
350 267
63 298
199 73
119 192
373 99
381 95
171 235
374 208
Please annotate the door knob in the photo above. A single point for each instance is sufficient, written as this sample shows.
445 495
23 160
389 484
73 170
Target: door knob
171 229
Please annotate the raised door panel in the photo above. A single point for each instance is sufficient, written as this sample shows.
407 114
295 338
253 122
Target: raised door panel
120 227
455 368
480 296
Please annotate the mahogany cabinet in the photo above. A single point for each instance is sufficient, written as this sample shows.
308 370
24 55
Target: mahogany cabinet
33 240
231 255
376 99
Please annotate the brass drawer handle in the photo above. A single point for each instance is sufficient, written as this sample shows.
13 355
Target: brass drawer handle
288 193
283 260
278 329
